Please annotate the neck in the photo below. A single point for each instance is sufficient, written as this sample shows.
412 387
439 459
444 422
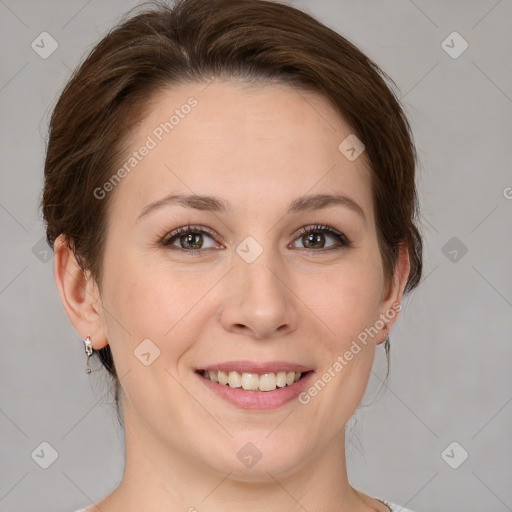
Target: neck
156 477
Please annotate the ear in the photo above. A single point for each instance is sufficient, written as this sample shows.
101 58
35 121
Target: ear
79 294
392 296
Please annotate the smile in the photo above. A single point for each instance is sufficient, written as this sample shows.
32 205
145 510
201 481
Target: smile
261 385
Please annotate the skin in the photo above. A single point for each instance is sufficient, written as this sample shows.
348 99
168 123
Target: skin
258 147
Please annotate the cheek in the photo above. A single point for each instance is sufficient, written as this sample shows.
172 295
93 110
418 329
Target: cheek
347 304
152 302
346 299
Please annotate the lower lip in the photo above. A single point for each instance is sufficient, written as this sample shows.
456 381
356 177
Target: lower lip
258 400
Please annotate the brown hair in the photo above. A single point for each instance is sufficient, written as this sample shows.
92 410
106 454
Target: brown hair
194 41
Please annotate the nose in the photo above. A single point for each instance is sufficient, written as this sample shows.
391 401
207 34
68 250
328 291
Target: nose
259 299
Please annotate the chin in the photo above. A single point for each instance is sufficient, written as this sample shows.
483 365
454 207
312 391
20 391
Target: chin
258 461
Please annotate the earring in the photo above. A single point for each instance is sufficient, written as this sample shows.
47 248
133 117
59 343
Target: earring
386 348
88 351
386 339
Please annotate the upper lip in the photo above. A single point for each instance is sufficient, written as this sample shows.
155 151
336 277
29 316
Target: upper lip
252 367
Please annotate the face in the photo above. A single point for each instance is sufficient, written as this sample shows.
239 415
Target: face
259 280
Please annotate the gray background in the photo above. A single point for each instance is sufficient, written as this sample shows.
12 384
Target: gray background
451 362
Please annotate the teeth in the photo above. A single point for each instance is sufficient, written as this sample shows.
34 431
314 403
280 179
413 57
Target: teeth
250 381
268 382
235 380
253 381
222 378
281 379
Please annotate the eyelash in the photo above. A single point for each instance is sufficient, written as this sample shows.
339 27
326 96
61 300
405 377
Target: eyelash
343 241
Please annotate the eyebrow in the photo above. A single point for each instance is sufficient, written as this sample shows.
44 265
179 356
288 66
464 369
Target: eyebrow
214 204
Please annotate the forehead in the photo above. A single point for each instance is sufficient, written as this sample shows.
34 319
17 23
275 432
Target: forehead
231 138
236 109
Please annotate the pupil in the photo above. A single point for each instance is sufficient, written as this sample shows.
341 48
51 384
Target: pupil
191 239
313 239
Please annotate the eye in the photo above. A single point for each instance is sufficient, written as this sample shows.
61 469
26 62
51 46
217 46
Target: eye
314 237
189 238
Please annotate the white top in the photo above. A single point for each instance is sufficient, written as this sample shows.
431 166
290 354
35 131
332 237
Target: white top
392 506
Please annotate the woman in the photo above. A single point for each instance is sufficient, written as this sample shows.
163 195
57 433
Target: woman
230 194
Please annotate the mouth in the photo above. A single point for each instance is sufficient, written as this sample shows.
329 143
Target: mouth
256 386
252 381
